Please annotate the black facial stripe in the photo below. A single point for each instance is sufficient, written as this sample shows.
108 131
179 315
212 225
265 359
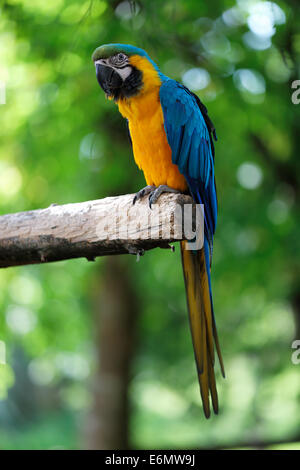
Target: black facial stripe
122 66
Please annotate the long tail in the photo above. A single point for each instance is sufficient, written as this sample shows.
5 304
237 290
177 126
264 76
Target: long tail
196 272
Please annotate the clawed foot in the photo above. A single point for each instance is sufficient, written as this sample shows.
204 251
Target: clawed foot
154 193
143 192
163 188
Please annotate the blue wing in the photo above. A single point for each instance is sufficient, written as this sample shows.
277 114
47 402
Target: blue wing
188 134
188 129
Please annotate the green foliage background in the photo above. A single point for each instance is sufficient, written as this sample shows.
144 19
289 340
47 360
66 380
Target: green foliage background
61 141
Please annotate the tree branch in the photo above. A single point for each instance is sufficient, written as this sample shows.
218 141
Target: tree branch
89 229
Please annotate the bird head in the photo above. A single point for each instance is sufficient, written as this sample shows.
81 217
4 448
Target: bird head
124 71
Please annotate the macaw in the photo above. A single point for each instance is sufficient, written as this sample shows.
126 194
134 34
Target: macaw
172 143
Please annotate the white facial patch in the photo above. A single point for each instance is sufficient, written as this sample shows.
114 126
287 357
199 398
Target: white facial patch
101 62
123 72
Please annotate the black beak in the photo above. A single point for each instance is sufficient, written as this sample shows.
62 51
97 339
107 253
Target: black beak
109 80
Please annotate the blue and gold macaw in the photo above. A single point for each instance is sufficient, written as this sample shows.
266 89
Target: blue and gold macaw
171 136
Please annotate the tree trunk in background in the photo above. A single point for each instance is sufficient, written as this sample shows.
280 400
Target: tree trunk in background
116 316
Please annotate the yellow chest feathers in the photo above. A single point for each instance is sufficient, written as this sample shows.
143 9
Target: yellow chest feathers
151 150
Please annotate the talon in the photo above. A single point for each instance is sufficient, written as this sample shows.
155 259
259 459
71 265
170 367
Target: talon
153 198
155 193
143 192
150 200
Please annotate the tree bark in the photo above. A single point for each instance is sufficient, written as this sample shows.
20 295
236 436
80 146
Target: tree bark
95 228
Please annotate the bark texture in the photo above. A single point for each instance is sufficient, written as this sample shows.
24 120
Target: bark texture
89 229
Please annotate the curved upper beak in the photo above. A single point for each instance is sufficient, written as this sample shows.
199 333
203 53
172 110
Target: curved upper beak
107 77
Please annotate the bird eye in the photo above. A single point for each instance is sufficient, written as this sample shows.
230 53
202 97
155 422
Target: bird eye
118 59
121 57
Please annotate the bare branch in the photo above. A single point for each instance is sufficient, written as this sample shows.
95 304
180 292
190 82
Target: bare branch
89 229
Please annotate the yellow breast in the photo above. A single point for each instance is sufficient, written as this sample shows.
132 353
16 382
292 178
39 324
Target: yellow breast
151 150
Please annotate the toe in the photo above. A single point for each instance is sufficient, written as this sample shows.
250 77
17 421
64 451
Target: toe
151 201
138 196
153 197
143 192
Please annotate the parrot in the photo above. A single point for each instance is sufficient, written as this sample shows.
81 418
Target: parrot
172 142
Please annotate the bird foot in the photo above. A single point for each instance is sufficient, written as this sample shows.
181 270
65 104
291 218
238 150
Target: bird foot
156 192
143 192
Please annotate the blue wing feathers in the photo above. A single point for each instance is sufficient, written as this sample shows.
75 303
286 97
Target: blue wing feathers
192 147
194 163
190 134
